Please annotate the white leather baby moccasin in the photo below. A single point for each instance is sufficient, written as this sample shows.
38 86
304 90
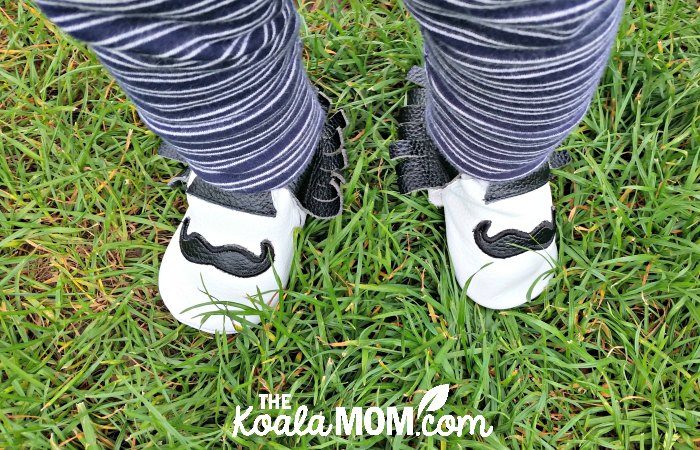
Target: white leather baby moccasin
500 235
233 251
229 253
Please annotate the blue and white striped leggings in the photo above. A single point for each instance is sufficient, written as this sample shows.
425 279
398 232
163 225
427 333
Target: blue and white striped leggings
223 81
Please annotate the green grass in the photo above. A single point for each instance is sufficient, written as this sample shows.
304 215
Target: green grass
608 357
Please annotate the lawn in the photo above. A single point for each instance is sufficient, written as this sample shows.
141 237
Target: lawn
608 356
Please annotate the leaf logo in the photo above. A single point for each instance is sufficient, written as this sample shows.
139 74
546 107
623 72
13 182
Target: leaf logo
434 399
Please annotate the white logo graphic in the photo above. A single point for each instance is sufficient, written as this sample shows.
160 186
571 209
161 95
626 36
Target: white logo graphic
360 421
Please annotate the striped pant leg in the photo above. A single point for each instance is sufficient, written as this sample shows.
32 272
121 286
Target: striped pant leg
220 80
509 79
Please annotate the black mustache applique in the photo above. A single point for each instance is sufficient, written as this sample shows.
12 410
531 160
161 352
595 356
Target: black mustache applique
232 259
509 243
